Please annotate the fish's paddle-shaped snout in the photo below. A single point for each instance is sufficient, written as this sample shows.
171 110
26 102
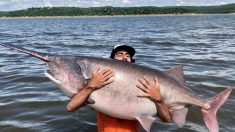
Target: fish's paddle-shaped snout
41 56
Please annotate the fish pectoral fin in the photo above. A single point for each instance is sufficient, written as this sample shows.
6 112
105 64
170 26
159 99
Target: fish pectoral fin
146 122
179 116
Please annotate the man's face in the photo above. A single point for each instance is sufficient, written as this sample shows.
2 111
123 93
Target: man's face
123 56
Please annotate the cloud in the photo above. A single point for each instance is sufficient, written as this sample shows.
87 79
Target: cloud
126 1
2 2
223 3
180 2
96 3
47 3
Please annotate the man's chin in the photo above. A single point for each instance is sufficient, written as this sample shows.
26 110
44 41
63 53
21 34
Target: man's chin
126 60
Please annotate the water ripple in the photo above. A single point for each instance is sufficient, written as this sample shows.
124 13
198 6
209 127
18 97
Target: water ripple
30 102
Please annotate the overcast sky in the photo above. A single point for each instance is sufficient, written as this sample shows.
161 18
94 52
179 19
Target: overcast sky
7 5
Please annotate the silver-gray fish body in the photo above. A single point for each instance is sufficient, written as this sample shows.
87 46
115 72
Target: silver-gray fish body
119 99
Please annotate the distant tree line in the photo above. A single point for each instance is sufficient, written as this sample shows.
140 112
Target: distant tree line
108 10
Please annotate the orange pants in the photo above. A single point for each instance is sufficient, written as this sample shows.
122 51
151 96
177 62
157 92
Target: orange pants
107 123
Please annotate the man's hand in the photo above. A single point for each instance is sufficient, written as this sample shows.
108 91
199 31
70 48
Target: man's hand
151 89
100 78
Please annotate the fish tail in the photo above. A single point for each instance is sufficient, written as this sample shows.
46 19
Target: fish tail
211 108
41 56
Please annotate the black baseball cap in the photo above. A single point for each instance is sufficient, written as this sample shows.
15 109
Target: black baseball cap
126 48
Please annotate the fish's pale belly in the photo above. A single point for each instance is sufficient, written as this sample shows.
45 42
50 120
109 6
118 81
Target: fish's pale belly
121 105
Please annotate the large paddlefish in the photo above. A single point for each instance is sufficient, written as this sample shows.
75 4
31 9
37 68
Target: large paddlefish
119 99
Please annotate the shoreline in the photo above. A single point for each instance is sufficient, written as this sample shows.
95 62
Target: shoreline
106 16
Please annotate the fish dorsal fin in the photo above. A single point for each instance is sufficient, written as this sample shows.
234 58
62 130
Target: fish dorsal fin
177 71
179 116
146 122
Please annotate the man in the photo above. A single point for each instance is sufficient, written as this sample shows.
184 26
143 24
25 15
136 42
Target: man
102 77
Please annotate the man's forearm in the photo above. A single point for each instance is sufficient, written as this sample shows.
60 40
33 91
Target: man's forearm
79 99
99 78
162 111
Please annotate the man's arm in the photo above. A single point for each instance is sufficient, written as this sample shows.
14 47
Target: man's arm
99 79
152 91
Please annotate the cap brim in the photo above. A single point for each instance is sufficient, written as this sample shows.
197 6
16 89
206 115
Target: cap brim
129 49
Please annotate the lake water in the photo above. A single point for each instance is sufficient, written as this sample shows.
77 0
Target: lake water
30 102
